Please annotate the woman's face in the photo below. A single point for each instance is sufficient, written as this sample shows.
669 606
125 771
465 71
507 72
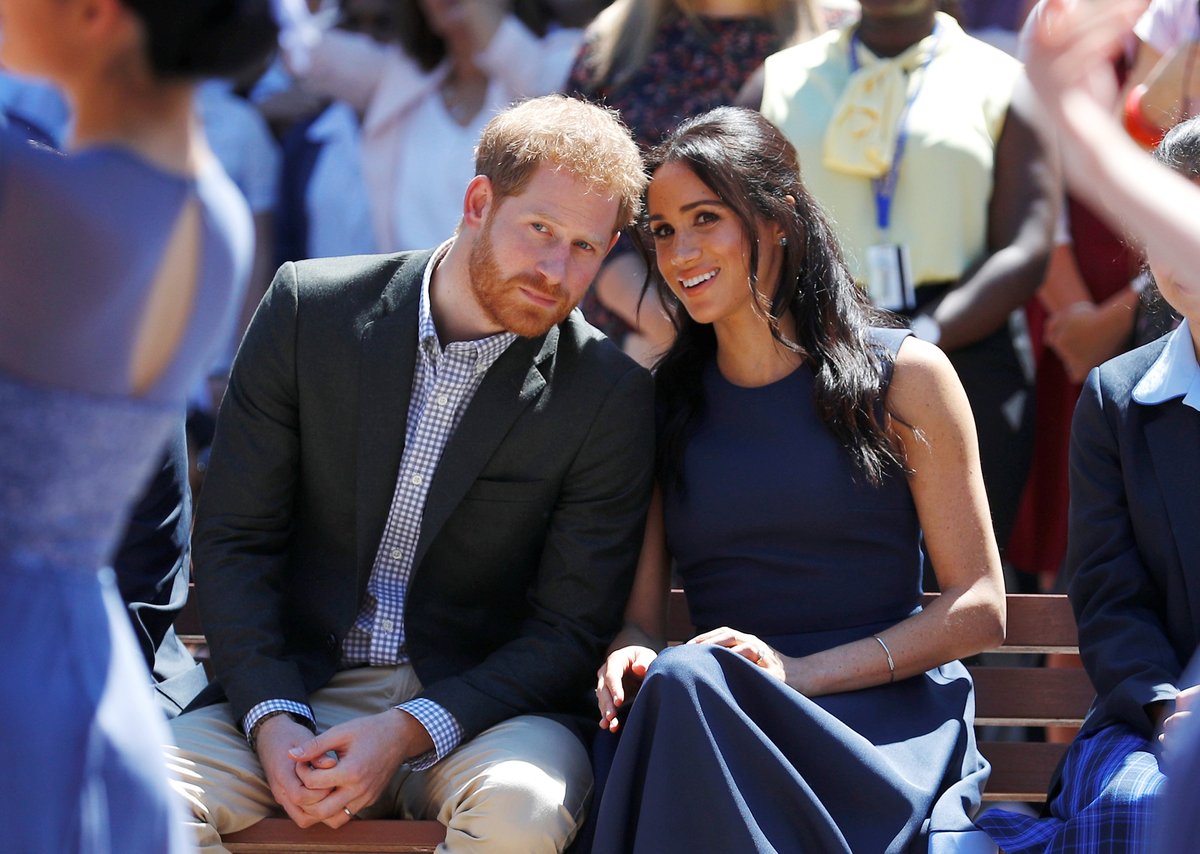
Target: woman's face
445 16
702 251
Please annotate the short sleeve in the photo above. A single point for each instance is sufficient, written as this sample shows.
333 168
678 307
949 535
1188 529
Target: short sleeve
1166 24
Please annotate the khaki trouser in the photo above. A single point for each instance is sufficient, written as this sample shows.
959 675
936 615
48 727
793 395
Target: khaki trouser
521 786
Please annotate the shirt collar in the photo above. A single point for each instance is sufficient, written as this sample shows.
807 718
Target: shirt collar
483 352
1175 373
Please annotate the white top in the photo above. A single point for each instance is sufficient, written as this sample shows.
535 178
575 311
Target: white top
241 140
1166 24
413 158
430 179
1175 373
335 200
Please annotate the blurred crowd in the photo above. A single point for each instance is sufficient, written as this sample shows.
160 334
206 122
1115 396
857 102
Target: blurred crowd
358 136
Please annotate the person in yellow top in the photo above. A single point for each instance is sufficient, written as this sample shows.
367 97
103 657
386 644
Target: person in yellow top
917 140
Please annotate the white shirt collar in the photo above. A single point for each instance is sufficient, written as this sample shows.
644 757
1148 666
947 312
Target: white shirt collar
426 331
1175 373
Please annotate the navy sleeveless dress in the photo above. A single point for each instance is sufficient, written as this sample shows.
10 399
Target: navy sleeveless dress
81 238
778 534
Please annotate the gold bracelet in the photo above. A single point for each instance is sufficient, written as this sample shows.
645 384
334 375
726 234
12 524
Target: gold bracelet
891 661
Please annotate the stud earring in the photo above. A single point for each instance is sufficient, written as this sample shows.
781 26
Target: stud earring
783 241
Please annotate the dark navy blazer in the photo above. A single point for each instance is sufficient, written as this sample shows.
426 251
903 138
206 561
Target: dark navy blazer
1134 540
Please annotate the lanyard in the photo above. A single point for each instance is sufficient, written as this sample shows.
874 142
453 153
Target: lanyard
885 187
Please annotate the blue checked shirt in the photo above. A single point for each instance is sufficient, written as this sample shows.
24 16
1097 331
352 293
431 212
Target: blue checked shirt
444 381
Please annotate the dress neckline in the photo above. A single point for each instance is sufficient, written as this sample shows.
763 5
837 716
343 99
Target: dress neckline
723 380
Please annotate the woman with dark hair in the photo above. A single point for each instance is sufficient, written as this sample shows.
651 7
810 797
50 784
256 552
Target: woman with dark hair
122 264
658 62
804 451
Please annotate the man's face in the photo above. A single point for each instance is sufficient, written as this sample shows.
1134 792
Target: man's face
537 252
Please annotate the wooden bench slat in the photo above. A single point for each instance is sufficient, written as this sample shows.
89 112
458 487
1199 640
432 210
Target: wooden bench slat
1041 622
1020 770
278 835
1031 696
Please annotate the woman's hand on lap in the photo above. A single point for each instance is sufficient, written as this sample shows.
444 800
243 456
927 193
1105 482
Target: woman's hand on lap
749 646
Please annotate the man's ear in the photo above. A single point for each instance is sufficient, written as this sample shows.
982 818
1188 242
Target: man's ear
613 242
478 201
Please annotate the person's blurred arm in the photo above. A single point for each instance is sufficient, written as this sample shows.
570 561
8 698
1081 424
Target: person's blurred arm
1021 216
335 63
1063 284
1070 52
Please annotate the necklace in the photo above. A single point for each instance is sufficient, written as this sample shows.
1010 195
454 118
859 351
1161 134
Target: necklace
464 99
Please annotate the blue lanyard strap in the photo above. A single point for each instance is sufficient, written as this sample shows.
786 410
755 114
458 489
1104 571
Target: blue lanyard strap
885 187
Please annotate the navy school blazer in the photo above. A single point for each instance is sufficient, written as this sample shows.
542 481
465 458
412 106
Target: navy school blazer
1134 540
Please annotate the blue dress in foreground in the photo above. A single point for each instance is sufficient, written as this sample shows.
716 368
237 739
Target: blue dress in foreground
81 238
776 533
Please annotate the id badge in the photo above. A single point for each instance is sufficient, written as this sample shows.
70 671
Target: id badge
889 276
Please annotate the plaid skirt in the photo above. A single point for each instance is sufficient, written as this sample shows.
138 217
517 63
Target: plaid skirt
1111 783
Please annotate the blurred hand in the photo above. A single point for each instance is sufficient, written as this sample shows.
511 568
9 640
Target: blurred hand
1072 48
1082 336
618 679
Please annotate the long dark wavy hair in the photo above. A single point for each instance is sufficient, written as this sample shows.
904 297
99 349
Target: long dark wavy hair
753 169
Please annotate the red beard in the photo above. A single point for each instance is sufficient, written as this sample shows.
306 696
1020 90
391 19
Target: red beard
501 298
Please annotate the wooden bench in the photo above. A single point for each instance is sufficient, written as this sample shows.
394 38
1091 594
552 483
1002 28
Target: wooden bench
1005 696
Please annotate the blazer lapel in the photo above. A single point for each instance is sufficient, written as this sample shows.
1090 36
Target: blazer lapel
1173 435
388 355
512 384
